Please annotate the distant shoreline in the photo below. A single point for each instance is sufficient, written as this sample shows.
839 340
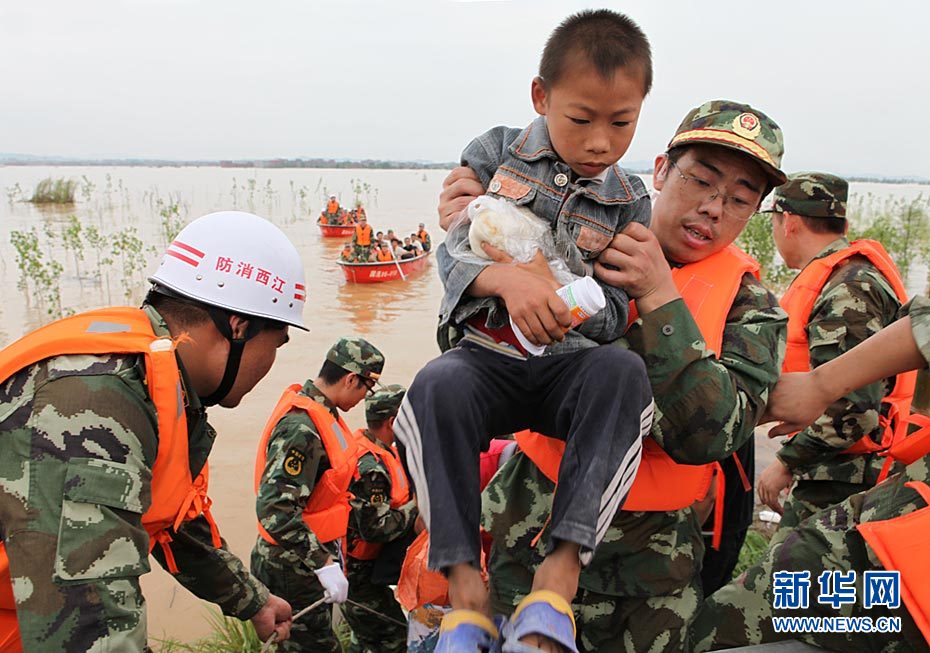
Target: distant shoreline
366 164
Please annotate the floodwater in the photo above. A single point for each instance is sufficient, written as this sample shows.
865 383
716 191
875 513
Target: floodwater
398 317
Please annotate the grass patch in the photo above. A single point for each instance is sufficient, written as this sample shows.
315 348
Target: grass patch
754 547
228 634
54 191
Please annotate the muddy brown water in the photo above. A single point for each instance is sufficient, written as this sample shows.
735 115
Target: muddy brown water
399 317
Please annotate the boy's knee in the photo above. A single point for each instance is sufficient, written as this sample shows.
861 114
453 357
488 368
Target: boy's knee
620 362
443 375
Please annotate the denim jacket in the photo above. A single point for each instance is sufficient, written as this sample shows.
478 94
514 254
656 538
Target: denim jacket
522 166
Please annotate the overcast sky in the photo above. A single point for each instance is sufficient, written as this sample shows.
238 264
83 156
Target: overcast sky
847 81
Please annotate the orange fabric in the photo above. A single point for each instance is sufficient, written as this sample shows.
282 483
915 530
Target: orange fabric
422 235
327 509
418 584
917 444
9 628
900 545
400 489
708 288
363 235
384 254
798 301
122 330
332 207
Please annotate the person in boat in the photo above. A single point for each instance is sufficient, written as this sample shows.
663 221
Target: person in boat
384 254
423 235
361 240
399 251
359 213
333 211
347 253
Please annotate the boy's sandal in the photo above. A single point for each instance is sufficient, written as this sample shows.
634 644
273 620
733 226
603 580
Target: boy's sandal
467 631
541 613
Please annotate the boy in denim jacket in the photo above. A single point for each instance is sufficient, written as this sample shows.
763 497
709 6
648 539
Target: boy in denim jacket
594 74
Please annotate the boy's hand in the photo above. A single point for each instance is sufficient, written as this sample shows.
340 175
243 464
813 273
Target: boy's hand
635 262
458 190
775 479
528 292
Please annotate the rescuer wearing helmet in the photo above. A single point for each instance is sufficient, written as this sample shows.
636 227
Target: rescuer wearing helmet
105 442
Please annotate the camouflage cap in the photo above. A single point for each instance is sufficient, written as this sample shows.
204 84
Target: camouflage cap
738 127
354 354
812 194
384 403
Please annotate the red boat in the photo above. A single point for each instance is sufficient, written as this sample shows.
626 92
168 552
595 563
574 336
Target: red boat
383 271
336 230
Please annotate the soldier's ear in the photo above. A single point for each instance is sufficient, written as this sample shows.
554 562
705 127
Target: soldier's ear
660 170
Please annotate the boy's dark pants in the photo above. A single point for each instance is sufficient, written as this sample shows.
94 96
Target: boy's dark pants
598 400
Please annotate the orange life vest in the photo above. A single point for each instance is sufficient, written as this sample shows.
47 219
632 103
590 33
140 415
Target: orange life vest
400 489
708 288
332 207
900 544
423 236
176 497
363 235
327 509
384 254
798 301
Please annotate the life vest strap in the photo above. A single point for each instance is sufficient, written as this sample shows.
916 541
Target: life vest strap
163 539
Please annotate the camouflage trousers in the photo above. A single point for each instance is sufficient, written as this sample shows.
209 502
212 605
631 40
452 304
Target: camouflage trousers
740 614
361 253
370 633
606 624
808 497
293 581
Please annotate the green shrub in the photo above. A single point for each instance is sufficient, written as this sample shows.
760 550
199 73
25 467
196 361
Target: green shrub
54 191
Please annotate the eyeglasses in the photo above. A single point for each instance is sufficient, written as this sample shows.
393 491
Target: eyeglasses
699 190
369 385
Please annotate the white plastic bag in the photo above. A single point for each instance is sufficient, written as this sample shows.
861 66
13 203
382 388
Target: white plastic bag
510 228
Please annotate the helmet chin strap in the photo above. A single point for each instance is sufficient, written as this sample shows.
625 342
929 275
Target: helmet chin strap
236 346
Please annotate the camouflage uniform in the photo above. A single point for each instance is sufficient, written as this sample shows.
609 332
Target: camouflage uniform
855 303
374 520
741 613
642 588
287 568
79 443
360 252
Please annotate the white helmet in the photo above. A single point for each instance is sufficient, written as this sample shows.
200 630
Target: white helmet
236 261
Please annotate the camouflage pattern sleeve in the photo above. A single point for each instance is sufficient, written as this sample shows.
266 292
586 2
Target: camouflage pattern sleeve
212 574
707 408
372 516
919 311
856 303
77 449
296 457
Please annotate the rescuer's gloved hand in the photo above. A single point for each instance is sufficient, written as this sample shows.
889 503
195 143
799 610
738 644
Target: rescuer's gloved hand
334 582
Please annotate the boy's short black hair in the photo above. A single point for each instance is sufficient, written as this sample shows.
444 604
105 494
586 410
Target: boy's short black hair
607 39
